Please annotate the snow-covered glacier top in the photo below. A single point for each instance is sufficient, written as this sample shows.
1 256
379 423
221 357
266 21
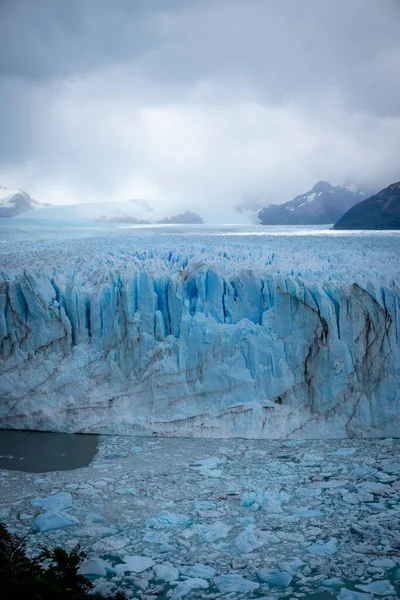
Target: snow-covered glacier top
319 256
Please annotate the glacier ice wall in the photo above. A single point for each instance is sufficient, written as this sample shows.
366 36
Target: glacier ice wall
199 351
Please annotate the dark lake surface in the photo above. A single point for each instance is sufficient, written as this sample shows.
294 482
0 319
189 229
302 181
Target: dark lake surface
39 452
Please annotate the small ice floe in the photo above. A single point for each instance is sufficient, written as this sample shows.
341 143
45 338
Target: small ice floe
344 452
346 594
269 502
184 588
168 520
235 583
327 549
214 532
166 572
307 512
208 466
96 567
136 564
25 517
377 588
56 502
54 520
275 578
199 571
249 540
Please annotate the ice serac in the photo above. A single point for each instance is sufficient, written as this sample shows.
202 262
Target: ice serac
199 352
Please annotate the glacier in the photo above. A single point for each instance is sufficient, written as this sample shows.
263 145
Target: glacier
253 336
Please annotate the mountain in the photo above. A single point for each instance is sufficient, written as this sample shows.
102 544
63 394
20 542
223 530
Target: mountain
381 211
16 202
187 217
137 212
323 204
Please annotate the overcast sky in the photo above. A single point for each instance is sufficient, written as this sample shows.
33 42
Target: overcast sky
188 102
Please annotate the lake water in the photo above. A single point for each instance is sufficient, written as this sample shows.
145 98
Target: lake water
39 452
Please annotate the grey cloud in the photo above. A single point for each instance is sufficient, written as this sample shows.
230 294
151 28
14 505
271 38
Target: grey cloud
199 98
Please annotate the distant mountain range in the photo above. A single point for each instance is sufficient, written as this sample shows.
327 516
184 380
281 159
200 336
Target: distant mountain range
349 206
322 205
16 202
381 211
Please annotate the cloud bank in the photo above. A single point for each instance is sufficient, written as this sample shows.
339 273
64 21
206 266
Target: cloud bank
197 103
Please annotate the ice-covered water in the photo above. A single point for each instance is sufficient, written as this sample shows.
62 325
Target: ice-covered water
222 518
200 332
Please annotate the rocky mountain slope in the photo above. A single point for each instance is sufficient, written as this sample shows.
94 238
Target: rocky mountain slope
323 204
16 202
381 211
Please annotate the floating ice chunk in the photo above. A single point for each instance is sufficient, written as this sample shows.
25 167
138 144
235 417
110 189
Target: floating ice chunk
103 588
346 594
321 549
377 588
207 466
166 572
392 468
137 564
186 587
202 571
274 578
306 512
155 537
95 518
249 540
363 470
54 520
289 536
374 487
96 567
57 502
248 499
205 505
384 563
110 544
308 492
344 452
25 517
168 520
127 490
293 565
335 582
332 483
214 532
269 502
235 583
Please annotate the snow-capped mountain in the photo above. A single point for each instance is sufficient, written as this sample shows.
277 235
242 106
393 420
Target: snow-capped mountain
381 211
323 204
16 202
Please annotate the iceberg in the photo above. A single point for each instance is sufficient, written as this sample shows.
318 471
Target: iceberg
54 520
235 583
58 501
247 340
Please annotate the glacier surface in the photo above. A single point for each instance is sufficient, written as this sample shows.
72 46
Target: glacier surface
258 336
